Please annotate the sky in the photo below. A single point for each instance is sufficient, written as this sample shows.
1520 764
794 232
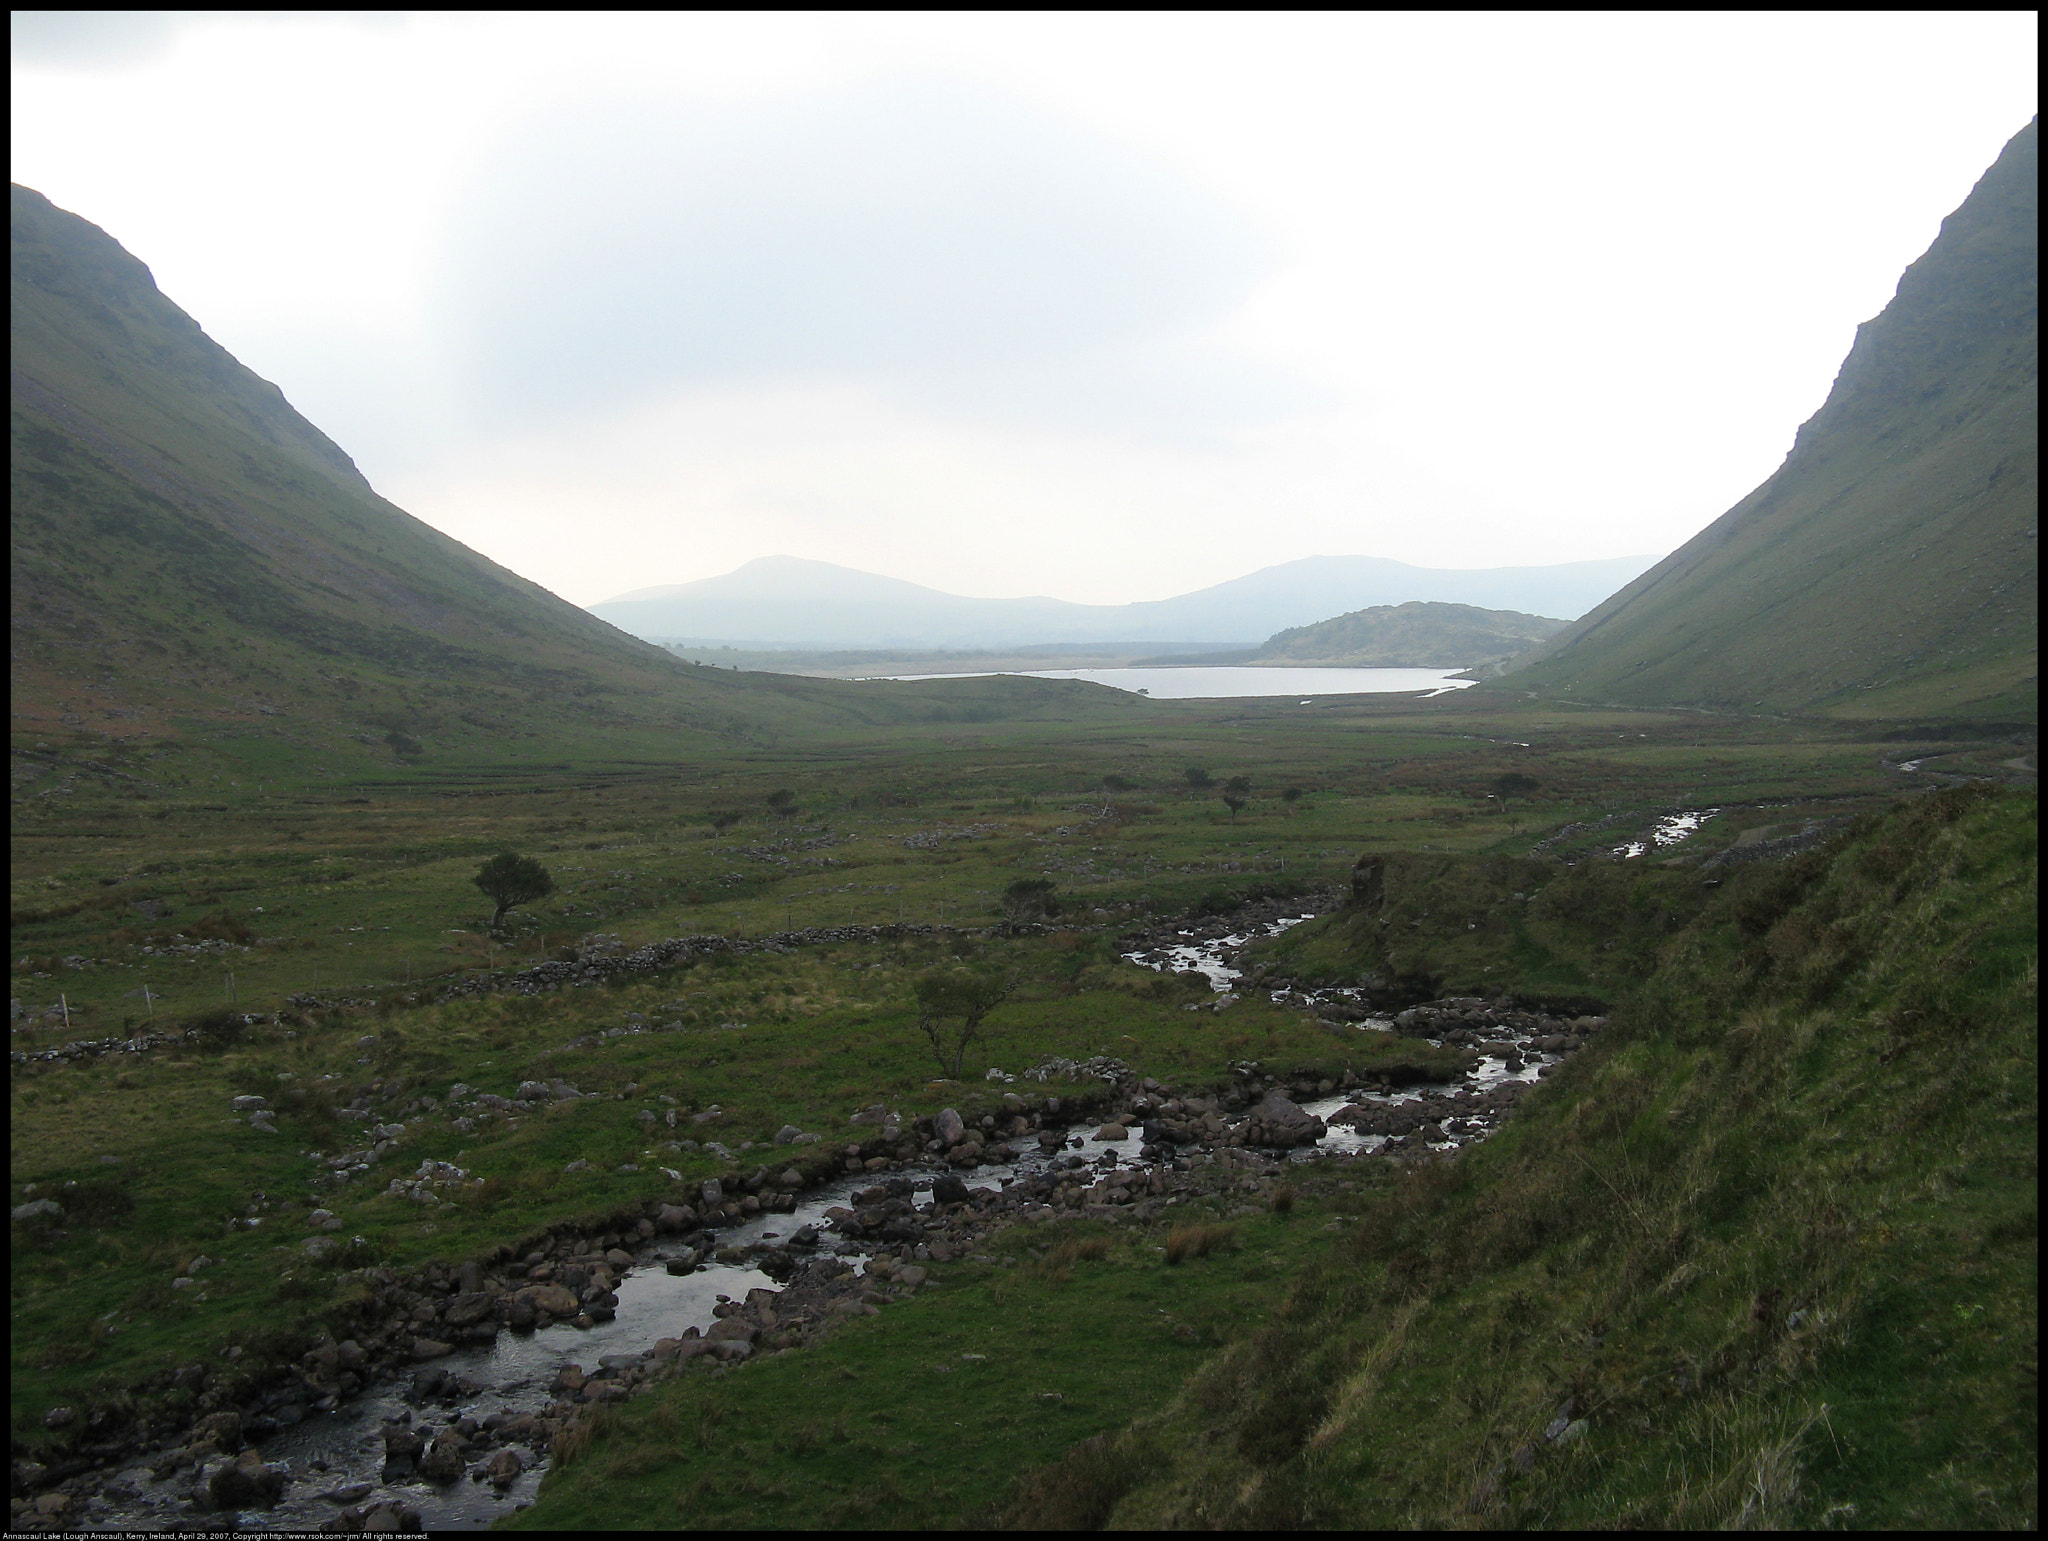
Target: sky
1101 306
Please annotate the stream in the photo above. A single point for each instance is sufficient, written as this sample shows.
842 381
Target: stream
337 1459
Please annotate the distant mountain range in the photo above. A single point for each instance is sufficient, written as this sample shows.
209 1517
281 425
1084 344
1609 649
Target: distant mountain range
784 601
1890 567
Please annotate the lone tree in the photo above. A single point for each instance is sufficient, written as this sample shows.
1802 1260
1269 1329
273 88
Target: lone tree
1030 899
782 802
724 819
1514 784
1236 792
1198 778
951 1004
1290 797
509 880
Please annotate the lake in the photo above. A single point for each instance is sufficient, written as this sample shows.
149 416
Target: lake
1195 684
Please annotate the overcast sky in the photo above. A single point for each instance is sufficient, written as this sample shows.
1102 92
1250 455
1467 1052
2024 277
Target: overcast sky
1106 307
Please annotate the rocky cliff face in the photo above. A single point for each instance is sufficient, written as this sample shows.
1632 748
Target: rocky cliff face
1888 567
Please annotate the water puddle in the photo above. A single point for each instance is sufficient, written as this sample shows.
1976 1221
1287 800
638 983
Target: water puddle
1669 830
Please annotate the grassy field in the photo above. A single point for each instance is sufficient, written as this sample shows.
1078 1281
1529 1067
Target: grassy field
188 871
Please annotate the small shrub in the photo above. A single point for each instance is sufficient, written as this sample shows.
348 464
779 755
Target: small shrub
1083 1488
221 927
98 1200
1194 1241
1283 1199
218 1028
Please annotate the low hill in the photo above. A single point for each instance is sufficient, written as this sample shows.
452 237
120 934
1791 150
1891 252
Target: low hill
1889 567
792 602
1417 635
194 562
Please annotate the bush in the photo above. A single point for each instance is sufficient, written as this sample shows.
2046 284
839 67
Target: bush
219 1028
1191 1241
98 1200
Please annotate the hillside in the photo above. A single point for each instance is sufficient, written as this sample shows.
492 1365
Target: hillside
792 602
1417 635
1888 567
1765 1257
192 561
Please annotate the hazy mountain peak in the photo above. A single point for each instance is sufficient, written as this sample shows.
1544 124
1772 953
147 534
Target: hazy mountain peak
797 602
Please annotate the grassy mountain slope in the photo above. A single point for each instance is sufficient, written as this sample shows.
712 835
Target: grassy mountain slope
1888 568
1415 635
1421 634
192 560
1773 1240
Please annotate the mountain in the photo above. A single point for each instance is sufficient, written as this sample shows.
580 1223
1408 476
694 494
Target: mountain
1417 635
192 562
189 553
1888 567
793 602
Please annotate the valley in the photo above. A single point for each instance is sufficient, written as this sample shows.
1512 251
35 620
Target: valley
320 948
471 1066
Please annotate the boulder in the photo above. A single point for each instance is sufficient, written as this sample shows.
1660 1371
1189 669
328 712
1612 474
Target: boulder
246 1483
1112 1132
1279 1121
713 1193
555 1299
675 1219
503 1469
950 1128
788 1134
949 1190
221 1430
469 1308
443 1460
39 1207
734 1329
431 1348
248 1104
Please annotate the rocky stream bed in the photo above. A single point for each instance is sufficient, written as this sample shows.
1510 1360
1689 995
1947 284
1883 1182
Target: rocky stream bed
439 1412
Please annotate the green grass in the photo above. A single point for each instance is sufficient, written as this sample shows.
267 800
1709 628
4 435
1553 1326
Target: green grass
826 1032
924 1417
1774 1235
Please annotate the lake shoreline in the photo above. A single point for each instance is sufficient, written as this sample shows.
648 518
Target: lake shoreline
1190 682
